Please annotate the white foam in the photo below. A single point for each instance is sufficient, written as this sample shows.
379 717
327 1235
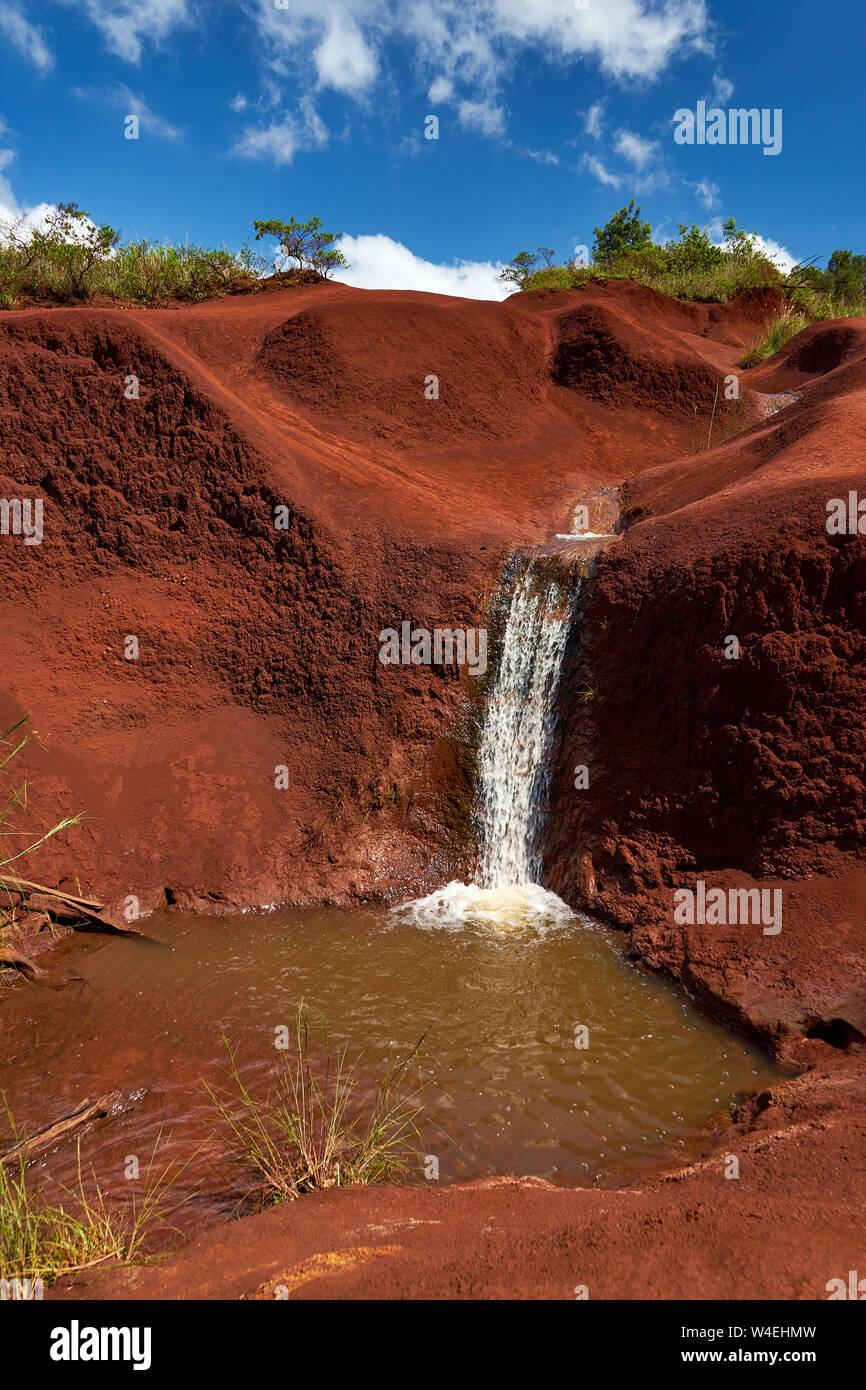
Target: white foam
585 535
518 908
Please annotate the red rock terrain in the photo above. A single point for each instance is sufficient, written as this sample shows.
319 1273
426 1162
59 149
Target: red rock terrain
259 648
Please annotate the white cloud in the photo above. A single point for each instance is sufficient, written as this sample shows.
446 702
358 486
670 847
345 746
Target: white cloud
23 219
628 38
239 103
441 89
592 120
283 138
723 90
344 60
603 175
469 47
132 105
26 37
635 149
9 209
773 250
482 117
278 142
707 192
125 25
542 156
777 253
379 263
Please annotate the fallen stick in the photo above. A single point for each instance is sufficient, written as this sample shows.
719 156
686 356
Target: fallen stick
96 921
89 911
52 892
86 1111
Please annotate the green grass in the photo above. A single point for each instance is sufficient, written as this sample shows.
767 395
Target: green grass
41 1238
712 284
715 283
311 1130
13 804
140 272
777 333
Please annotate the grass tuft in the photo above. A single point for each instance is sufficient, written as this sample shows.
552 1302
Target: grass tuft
777 333
311 1131
44 1239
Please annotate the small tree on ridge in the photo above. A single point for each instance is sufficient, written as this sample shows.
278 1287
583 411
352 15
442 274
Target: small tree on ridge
304 243
624 232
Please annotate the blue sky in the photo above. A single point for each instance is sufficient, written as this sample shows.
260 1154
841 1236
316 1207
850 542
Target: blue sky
550 115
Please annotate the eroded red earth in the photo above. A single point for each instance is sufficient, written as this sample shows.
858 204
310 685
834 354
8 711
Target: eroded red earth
258 649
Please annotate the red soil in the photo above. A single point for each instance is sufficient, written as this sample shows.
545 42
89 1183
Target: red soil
781 1230
258 648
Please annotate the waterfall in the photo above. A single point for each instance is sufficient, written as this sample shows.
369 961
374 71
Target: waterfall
519 725
514 765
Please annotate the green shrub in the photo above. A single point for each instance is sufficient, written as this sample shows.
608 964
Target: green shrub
690 267
623 233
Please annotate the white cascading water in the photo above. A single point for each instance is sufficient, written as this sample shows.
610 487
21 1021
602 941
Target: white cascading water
517 736
513 769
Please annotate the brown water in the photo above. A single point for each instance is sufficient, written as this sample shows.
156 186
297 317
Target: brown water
509 1091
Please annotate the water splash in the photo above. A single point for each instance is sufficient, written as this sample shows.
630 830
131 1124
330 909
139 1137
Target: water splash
512 910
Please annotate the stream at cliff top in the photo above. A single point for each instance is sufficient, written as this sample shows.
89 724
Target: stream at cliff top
509 1092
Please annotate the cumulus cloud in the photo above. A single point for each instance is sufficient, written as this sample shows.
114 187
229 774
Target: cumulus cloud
463 50
723 90
467 48
635 149
773 250
777 253
628 38
25 219
27 38
344 60
283 138
9 209
441 89
277 142
380 263
482 116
